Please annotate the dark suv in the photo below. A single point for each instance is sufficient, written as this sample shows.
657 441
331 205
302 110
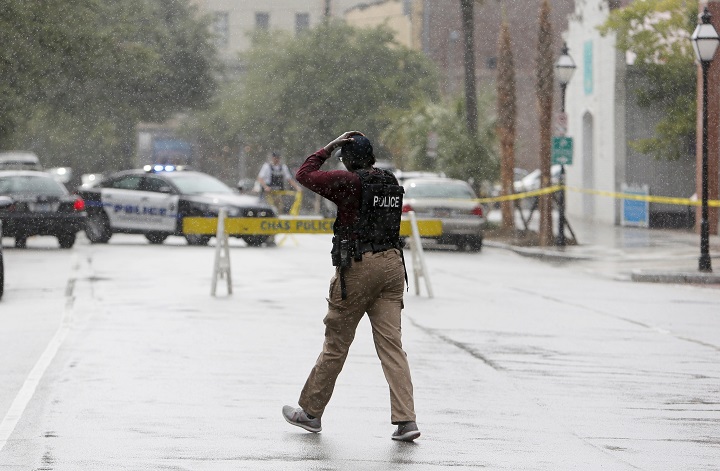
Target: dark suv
40 206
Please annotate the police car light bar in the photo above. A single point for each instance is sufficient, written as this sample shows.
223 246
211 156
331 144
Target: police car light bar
161 168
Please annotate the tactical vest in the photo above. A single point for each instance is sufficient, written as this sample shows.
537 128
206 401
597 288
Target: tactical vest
378 225
277 177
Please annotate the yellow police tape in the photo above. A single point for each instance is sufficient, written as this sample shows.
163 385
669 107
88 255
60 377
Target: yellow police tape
611 194
519 196
297 200
651 199
291 225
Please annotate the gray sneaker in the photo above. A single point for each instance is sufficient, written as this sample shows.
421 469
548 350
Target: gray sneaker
299 417
406 432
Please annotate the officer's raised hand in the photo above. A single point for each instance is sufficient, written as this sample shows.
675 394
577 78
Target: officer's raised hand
342 139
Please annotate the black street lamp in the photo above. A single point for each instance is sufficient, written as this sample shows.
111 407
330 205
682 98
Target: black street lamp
564 70
705 41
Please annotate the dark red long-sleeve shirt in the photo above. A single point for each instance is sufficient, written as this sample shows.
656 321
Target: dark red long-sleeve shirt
339 186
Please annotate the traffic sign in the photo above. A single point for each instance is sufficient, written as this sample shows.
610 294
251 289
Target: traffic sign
561 123
562 150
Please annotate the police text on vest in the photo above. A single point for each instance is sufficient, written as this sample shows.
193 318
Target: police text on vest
386 201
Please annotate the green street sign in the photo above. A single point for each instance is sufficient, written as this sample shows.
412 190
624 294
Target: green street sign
562 150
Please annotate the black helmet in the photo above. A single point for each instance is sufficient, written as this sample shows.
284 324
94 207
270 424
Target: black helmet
358 153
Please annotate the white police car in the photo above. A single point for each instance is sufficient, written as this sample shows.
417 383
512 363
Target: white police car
153 201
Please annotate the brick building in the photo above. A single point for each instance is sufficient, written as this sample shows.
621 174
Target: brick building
442 41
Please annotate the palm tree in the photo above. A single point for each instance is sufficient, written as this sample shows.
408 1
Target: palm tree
545 75
467 10
507 110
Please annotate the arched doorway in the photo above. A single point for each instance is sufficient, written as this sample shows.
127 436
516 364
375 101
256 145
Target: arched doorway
588 177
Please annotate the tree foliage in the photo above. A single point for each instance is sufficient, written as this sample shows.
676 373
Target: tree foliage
455 151
299 92
82 73
657 34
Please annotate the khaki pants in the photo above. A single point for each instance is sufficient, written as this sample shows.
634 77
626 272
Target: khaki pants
374 285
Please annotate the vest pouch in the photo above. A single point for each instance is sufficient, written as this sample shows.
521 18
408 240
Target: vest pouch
341 254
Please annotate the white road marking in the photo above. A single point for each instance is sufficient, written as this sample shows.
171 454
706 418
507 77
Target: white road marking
17 408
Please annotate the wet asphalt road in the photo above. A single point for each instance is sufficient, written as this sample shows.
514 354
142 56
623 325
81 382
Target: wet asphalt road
117 358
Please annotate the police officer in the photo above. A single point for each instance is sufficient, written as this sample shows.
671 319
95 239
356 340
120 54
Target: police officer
273 175
369 278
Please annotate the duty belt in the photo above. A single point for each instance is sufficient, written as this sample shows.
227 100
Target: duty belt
370 247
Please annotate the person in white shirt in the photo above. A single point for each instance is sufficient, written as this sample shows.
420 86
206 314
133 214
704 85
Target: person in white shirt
274 175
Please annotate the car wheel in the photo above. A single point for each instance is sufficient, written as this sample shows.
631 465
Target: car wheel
156 237
66 240
255 241
20 242
97 229
196 239
475 244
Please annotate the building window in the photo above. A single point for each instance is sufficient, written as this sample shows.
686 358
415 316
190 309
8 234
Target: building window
302 22
220 28
491 63
262 20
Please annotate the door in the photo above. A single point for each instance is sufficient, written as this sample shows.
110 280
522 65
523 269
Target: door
158 205
121 201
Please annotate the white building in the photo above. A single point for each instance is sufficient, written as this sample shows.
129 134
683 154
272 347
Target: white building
595 119
234 21
603 117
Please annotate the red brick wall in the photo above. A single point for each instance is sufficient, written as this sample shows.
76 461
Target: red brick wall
443 18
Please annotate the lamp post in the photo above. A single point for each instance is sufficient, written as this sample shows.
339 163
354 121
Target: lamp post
564 70
705 42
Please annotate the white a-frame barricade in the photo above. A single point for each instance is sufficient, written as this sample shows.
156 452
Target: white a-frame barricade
223 226
418 257
221 267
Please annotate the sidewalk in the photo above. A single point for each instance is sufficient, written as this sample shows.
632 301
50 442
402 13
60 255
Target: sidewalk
631 253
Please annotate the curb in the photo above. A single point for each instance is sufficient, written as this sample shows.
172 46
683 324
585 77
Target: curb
550 254
648 276
643 276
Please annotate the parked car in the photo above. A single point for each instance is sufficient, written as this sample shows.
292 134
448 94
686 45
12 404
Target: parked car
62 174
19 160
155 200
531 181
518 174
40 206
88 180
453 202
329 209
406 175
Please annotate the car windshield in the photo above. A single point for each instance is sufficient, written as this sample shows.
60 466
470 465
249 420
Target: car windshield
30 185
439 189
192 184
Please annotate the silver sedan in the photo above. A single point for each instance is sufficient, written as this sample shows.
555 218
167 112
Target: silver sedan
453 202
